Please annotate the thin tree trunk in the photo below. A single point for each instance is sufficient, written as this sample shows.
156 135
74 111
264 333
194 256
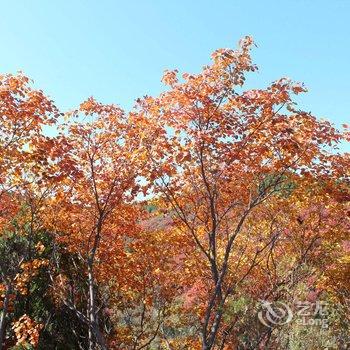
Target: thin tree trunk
88 311
93 321
3 315
91 305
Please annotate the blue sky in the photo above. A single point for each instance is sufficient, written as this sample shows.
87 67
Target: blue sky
118 50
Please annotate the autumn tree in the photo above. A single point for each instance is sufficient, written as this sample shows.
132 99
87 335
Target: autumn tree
247 199
221 156
91 210
24 165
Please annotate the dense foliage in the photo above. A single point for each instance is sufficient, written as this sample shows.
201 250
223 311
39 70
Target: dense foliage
174 226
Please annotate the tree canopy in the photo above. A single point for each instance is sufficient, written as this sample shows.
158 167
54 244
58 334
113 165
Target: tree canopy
173 225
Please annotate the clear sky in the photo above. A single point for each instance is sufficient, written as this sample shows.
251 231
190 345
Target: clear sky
118 50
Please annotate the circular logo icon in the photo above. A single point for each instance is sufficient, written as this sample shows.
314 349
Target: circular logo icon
274 313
